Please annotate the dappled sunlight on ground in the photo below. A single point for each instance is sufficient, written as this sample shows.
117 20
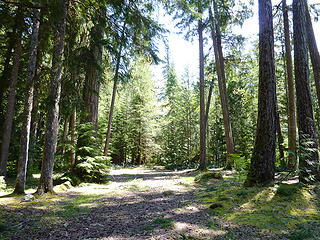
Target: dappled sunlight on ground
139 204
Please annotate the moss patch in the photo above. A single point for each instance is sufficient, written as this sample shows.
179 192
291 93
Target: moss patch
164 223
279 208
206 176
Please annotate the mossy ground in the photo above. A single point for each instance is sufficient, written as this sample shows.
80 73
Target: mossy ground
286 209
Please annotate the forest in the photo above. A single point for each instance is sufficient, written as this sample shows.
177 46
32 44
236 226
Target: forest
96 144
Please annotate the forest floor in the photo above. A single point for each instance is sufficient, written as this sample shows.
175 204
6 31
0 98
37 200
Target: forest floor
143 203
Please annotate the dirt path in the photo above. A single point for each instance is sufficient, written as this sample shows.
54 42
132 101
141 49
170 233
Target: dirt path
136 204
146 204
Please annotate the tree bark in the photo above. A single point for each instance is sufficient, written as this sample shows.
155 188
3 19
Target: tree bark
203 160
308 156
262 167
114 91
93 73
7 125
52 123
292 124
43 39
314 53
216 38
25 135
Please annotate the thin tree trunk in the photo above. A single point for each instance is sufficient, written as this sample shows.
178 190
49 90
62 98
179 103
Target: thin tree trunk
25 135
7 125
292 124
308 157
262 167
114 91
314 53
73 139
52 124
203 160
280 142
209 102
64 135
216 38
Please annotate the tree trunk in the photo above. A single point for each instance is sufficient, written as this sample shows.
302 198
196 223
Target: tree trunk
292 125
43 39
5 77
7 125
93 74
25 135
114 91
73 139
280 142
208 103
314 53
216 38
52 124
308 156
203 161
64 135
262 167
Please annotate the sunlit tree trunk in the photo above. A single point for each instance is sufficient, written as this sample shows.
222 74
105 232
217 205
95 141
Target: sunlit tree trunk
52 124
25 135
262 167
308 156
